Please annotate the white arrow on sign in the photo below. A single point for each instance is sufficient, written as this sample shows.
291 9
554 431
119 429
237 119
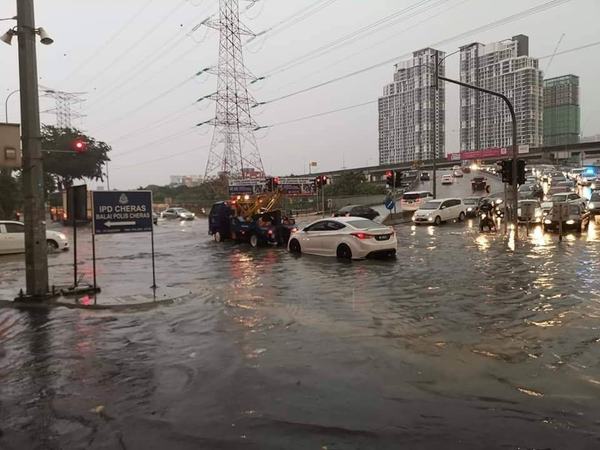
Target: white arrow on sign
117 224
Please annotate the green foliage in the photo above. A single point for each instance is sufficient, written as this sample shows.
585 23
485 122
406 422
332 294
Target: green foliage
11 198
202 195
353 183
65 165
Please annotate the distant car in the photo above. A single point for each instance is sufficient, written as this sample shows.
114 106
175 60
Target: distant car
447 179
563 186
434 212
457 174
594 204
178 213
535 209
471 206
531 191
578 219
425 176
556 178
344 237
569 197
478 184
411 201
357 211
466 169
12 238
574 173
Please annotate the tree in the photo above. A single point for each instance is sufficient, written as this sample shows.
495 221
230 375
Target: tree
353 183
10 194
64 164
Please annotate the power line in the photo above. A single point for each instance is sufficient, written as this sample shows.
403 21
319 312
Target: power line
142 38
571 50
312 116
162 158
487 27
179 133
357 34
113 37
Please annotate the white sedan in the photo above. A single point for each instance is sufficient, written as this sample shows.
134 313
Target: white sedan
344 237
447 179
12 238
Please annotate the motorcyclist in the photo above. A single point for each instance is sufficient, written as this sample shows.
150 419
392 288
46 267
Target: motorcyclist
486 216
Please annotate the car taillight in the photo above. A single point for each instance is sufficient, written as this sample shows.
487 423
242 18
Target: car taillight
362 235
270 232
294 230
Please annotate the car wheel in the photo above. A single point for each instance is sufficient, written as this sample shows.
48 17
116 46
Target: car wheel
344 252
51 246
437 221
295 246
254 241
218 237
461 217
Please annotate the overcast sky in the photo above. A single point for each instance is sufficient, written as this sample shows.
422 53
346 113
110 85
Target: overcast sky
125 53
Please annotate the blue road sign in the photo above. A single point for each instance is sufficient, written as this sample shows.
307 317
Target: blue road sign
122 212
389 203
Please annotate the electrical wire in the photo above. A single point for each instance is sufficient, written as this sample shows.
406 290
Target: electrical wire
161 158
142 38
514 17
179 133
373 27
109 41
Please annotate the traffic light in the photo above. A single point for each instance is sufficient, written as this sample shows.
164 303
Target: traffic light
506 170
317 182
389 178
398 178
324 180
521 171
270 184
79 145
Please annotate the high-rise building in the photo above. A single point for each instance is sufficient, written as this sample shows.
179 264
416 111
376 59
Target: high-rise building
561 110
407 111
507 68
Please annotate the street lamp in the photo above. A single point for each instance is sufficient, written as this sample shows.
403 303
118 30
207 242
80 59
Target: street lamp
6 104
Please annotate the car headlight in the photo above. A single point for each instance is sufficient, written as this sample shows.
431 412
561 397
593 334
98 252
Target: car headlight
414 216
591 205
469 209
547 221
430 219
570 222
62 236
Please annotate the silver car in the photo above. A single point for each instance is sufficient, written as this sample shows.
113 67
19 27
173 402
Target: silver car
178 213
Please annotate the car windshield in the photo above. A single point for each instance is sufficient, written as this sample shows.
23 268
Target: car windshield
471 201
413 195
529 202
364 224
431 205
559 198
595 197
525 188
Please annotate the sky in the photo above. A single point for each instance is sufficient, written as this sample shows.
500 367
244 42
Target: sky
135 63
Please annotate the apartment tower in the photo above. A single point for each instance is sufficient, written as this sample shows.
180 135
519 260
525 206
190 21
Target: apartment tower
407 111
504 67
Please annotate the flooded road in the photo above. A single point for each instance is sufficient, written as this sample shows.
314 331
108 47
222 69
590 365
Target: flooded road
464 341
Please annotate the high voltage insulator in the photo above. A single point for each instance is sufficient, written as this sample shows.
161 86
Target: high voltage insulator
233 150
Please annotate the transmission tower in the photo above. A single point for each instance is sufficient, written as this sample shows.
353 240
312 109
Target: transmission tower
63 109
233 150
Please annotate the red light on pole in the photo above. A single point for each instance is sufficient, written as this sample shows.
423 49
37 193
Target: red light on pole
79 145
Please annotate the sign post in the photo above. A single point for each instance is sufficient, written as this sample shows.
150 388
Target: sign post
123 212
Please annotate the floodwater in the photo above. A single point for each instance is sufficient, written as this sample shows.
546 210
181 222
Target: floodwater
465 341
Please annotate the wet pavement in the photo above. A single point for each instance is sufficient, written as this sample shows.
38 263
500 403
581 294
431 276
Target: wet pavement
466 341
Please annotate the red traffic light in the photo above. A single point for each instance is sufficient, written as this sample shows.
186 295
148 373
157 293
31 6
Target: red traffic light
79 145
388 173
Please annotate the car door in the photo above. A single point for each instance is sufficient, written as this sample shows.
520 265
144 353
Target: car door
4 243
331 237
457 208
311 237
445 210
15 237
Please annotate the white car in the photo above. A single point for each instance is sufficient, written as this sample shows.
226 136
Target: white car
447 179
434 212
12 238
530 210
411 201
569 197
457 174
344 237
178 213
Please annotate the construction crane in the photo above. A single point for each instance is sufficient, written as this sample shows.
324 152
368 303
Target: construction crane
562 36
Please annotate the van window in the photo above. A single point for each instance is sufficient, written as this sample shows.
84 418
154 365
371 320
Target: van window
411 196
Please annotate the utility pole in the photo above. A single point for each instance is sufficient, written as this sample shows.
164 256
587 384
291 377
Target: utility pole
36 258
435 121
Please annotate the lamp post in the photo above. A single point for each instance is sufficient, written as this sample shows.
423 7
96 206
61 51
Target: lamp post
6 103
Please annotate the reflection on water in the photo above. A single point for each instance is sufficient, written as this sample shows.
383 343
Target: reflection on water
463 332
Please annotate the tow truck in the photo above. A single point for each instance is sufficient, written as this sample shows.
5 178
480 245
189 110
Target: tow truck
250 215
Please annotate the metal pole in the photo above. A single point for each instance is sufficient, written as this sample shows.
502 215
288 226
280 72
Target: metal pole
515 194
435 121
323 198
153 263
73 218
36 258
6 104
94 259
107 179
